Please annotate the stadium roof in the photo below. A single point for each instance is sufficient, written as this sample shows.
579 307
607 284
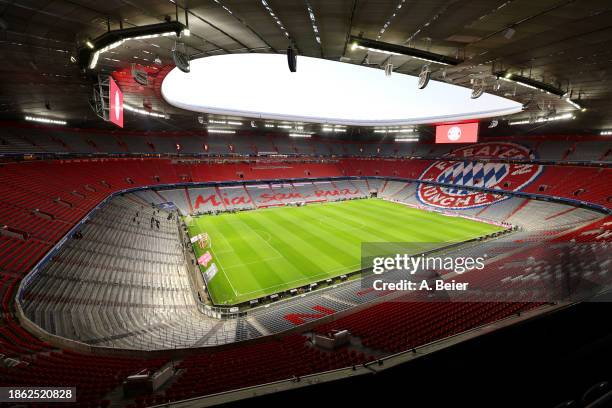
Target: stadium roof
564 43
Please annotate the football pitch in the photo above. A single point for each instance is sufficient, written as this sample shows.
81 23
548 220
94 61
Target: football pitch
266 251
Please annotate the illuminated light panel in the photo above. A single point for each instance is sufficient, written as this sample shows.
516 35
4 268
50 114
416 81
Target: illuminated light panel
565 116
275 17
361 47
576 105
221 131
224 122
45 120
313 21
334 129
145 112
329 92
409 130
96 55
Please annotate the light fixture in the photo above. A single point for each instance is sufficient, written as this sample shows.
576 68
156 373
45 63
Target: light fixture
145 112
565 116
530 83
394 49
313 22
395 130
224 122
300 135
224 7
361 47
576 105
89 55
406 139
509 33
334 129
388 22
606 132
221 131
276 19
45 120
186 32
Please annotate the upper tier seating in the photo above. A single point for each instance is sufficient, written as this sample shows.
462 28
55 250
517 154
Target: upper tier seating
20 138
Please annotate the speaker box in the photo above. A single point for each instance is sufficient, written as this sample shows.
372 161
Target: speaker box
424 76
292 59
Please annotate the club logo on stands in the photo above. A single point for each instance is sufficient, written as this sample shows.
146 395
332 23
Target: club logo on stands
456 174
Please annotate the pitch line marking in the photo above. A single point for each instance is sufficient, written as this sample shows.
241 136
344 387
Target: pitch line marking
236 293
263 239
308 280
224 274
255 262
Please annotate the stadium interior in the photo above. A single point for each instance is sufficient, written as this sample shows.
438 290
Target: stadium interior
195 196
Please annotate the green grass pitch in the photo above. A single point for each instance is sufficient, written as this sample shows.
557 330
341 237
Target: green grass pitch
266 251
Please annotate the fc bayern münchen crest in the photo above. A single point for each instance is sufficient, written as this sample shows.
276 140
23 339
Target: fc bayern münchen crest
464 171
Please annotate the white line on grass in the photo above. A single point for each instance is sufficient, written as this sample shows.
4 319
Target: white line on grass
217 260
308 279
236 294
254 262
264 240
